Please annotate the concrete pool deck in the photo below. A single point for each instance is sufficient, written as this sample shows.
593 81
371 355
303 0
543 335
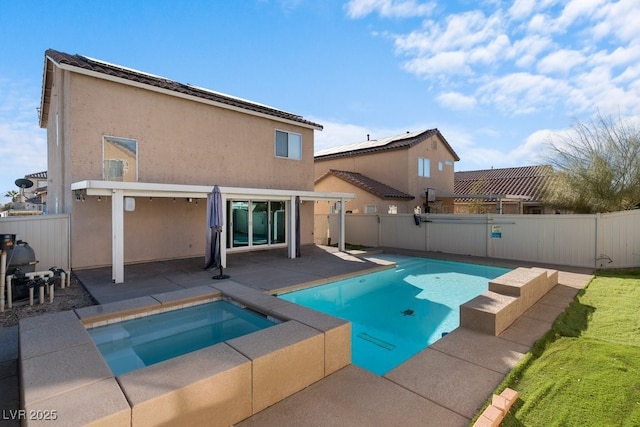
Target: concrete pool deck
445 384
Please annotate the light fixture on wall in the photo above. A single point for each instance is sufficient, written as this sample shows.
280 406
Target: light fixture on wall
99 198
190 200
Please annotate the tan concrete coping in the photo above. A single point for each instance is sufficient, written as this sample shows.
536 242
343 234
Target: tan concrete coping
211 387
509 296
52 374
98 315
99 404
337 333
187 297
51 332
286 358
490 312
516 282
552 276
254 298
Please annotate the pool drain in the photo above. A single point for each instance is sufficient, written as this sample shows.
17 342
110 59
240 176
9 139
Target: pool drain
408 312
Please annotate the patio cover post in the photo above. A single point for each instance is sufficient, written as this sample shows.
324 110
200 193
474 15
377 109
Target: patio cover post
117 241
341 245
292 226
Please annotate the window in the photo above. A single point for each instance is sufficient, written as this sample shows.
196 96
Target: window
393 209
370 209
119 159
440 165
288 145
424 167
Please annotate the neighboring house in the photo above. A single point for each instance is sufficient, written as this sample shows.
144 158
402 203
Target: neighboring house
38 193
372 197
133 156
507 190
407 165
31 200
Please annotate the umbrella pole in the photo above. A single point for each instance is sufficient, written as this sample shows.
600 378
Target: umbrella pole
221 276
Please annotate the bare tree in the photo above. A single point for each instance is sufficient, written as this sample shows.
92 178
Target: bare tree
597 167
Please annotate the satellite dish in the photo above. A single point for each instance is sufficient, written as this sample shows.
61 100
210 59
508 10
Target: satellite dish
24 183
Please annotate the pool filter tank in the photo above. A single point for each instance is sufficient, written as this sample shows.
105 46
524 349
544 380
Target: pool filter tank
21 258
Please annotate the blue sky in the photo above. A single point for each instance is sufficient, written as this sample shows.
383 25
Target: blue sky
497 78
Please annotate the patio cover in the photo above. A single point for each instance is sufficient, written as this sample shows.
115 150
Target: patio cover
119 190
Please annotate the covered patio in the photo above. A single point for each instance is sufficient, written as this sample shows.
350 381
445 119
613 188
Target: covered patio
124 194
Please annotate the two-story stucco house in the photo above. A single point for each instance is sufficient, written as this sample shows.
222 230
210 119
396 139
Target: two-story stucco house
132 157
390 175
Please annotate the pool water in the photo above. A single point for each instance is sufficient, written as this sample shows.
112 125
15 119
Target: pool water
396 313
134 344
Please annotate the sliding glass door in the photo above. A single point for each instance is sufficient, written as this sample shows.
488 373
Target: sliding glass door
256 223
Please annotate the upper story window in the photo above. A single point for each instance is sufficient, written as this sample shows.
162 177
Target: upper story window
119 159
288 145
424 167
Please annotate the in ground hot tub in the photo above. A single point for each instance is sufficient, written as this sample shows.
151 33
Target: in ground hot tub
220 384
144 341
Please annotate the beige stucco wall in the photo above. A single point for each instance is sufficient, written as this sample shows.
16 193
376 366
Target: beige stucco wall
179 142
399 168
357 206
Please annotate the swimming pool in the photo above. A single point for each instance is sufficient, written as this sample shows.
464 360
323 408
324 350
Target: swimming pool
398 312
136 343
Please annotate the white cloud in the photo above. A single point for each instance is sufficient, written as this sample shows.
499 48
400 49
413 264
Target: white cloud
523 93
577 9
619 19
443 64
560 61
526 50
521 9
388 8
456 101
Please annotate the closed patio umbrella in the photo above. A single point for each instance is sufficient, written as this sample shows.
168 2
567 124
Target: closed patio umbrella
214 239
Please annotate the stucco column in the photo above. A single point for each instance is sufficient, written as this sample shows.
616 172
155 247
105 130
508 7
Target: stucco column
117 236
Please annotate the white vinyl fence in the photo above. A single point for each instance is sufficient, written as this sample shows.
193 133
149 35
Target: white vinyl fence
600 240
48 235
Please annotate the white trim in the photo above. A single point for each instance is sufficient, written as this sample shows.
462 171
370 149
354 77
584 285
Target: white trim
152 189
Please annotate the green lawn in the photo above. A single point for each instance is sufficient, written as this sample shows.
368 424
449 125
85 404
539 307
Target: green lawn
586 370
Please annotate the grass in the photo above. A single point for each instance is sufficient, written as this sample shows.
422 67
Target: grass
586 370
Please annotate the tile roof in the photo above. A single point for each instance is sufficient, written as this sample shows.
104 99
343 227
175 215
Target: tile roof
368 184
106 68
397 142
37 175
527 181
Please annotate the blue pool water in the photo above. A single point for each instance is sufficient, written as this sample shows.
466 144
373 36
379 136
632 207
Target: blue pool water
397 313
134 344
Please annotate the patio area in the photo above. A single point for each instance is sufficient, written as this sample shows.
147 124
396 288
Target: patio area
443 385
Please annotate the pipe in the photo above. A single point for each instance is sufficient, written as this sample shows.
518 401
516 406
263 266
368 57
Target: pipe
9 291
3 274
33 275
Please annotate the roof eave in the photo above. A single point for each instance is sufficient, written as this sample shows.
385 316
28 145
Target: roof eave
121 80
